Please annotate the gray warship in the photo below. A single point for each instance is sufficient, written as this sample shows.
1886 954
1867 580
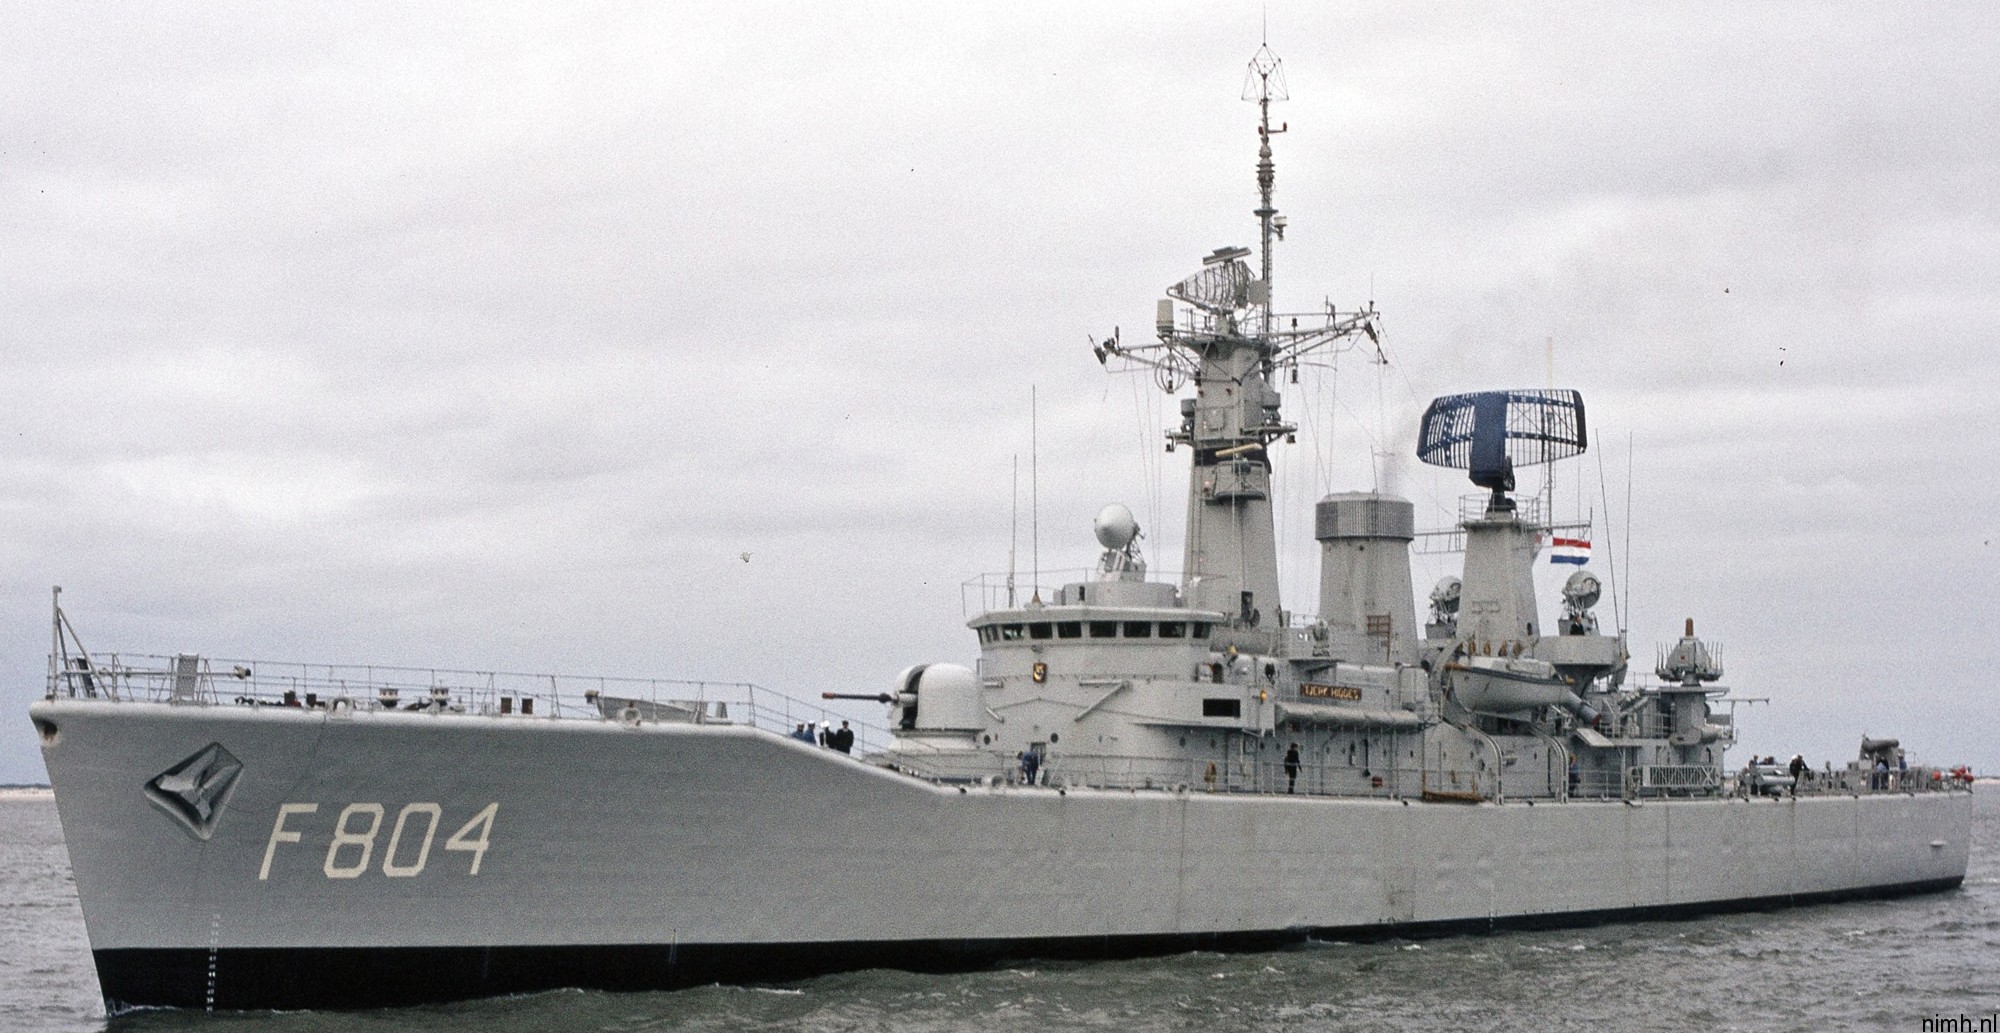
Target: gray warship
1131 766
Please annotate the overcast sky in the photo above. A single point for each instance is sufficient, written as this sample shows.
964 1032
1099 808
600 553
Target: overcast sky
495 337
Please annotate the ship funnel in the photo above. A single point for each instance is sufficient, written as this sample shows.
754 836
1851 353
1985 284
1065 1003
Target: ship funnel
1364 570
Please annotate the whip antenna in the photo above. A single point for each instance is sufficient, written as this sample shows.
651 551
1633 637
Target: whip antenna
1264 83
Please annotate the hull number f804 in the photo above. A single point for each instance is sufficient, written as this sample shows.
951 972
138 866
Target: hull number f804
359 827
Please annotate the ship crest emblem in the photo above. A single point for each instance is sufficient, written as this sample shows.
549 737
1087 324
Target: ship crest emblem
195 790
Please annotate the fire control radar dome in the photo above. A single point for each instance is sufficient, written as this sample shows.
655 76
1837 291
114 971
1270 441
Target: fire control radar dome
1116 526
1582 589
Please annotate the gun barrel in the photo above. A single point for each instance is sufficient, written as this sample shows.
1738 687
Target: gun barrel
879 697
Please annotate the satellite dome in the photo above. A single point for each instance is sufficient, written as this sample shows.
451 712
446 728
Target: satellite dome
1445 595
1582 589
1116 526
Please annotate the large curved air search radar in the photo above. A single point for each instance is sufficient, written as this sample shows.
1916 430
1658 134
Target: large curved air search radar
1488 433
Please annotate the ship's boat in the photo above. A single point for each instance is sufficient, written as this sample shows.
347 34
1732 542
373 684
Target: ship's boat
1131 766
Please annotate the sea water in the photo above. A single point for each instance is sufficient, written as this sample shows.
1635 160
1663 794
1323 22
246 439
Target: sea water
1878 965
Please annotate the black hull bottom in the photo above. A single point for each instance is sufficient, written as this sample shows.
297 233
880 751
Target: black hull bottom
371 977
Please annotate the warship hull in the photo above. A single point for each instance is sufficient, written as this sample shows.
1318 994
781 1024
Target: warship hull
360 858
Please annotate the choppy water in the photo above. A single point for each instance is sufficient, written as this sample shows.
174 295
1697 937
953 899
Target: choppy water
1877 965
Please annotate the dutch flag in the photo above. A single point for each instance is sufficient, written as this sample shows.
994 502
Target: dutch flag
1569 550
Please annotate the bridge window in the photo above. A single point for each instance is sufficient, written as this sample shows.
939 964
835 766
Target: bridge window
1138 629
1039 630
1010 632
1222 708
1069 629
1200 629
1103 629
1173 629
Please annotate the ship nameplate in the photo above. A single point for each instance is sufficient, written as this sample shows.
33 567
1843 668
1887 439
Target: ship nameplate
1314 690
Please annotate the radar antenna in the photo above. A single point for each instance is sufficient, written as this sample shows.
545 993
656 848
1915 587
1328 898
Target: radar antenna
1225 294
1488 433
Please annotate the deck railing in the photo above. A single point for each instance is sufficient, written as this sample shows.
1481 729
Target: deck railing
1673 780
188 679
1776 781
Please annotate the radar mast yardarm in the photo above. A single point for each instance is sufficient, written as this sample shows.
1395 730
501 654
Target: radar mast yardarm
1230 342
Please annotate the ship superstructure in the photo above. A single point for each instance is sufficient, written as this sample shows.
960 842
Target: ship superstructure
1131 766
1121 681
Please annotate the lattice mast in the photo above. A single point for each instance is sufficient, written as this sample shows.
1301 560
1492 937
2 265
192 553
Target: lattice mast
1264 83
1230 343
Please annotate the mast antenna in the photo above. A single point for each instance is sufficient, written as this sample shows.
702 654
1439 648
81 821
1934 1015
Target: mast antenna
1230 341
1014 531
1264 82
56 664
1035 491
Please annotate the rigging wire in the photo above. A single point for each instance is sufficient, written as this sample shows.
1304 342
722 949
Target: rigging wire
1628 524
1610 561
1330 375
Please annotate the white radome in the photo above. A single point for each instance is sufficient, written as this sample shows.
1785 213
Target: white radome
1116 527
1582 590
